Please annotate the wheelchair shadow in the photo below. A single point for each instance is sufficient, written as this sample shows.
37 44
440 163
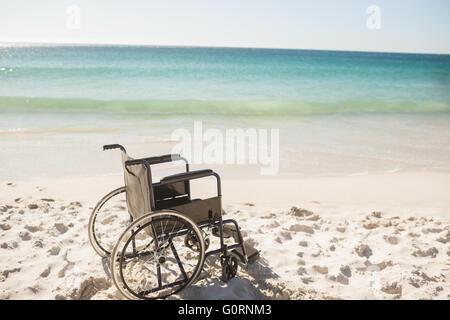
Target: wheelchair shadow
256 281
253 282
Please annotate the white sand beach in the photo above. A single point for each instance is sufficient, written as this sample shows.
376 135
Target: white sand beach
373 236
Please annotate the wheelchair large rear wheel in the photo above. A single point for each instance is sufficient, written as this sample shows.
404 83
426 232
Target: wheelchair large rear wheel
108 220
151 259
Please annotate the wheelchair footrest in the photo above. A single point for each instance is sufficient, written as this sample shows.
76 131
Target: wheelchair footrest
252 253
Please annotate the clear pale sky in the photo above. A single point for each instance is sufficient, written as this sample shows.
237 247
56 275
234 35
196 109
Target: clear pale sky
406 25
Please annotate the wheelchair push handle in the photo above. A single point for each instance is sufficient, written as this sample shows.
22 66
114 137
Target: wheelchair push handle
114 146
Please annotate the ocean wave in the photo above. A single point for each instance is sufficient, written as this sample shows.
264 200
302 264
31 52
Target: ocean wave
219 107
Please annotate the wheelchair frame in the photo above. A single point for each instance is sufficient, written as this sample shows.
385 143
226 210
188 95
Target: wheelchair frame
172 194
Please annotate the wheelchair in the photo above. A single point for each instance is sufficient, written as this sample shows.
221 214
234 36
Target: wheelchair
166 233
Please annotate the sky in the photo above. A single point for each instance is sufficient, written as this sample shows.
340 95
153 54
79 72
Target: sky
421 26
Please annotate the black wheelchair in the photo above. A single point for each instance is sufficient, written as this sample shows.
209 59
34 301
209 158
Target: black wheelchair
167 233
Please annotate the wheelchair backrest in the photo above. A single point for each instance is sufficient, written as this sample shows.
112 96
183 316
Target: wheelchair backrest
138 188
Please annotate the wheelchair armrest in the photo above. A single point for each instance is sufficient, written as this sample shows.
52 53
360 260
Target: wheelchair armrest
185 176
156 160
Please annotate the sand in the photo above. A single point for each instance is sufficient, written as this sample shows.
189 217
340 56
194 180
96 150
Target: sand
354 237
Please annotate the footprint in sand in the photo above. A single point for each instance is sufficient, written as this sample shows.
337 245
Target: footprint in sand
303 243
431 252
301 228
346 271
301 262
286 235
5 226
25 235
46 272
90 287
108 220
340 229
61 227
321 270
364 251
38 244
33 229
340 278
54 251
392 239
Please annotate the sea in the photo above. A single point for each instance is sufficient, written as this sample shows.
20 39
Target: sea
336 112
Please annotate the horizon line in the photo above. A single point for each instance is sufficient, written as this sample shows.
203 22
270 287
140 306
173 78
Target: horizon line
31 43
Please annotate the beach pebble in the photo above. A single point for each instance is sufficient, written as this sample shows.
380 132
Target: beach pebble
301 262
33 206
3 208
340 229
364 251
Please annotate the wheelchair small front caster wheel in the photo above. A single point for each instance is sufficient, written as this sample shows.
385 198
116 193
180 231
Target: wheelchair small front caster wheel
229 267
191 242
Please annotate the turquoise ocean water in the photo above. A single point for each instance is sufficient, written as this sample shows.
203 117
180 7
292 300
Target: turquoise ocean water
338 112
